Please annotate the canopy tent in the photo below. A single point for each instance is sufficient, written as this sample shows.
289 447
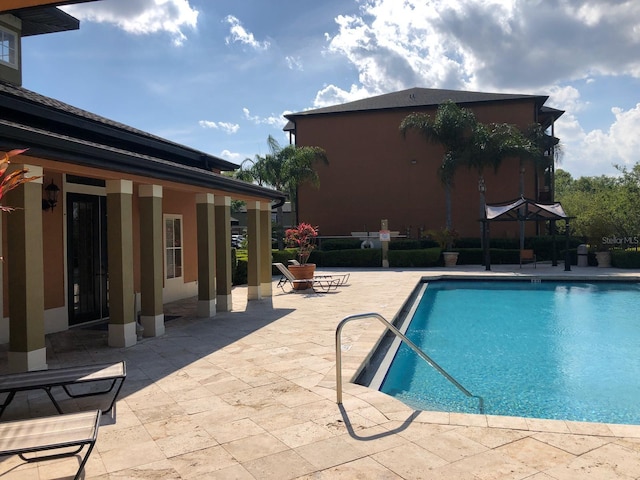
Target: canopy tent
522 210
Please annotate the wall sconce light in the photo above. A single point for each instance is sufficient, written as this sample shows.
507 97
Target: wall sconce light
50 199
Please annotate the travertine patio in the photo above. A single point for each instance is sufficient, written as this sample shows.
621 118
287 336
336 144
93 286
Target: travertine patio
250 394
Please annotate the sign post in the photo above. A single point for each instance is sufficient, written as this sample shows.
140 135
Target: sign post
385 238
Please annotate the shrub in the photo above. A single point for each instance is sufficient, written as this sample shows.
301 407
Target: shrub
625 259
414 258
340 244
367 257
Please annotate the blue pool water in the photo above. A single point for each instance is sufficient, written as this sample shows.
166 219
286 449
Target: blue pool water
545 350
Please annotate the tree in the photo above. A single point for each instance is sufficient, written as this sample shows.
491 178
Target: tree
467 142
452 127
285 169
604 207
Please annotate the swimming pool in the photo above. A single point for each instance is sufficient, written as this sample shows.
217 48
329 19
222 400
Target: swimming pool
544 350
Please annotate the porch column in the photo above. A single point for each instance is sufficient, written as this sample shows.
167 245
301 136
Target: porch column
205 218
266 276
151 260
27 350
122 321
254 249
223 253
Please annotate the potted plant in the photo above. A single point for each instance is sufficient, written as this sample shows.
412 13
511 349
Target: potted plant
303 238
446 238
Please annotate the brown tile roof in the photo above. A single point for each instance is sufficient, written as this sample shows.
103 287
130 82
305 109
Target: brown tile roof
417 97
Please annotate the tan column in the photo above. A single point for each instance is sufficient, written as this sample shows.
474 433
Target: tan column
151 260
205 218
122 324
253 247
266 276
223 253
27 350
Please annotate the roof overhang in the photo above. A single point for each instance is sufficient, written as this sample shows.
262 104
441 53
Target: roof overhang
53 146
8 5
38 21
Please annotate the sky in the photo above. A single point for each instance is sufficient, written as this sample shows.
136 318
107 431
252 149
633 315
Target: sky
218 75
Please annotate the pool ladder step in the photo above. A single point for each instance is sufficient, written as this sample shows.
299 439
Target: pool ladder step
409 343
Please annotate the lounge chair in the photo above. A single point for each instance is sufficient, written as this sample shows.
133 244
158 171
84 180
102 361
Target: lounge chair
73 380
527 256
342 277
51 437
324 284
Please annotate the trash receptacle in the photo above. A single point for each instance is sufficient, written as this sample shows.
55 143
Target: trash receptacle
583 260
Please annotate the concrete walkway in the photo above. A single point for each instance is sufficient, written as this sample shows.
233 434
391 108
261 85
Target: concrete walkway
250 394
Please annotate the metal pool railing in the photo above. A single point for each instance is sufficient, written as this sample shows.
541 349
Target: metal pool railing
403 338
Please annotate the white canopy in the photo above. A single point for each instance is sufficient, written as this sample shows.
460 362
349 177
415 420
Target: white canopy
525 209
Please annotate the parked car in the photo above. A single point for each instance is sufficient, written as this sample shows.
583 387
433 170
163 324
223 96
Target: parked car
236 240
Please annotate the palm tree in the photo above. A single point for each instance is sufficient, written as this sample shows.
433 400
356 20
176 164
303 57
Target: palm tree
284 169
453 127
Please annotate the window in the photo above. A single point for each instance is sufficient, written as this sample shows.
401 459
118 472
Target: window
173 246
8 48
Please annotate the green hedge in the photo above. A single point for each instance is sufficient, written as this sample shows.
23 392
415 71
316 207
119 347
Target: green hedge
414 258
340 244
367 257
625 259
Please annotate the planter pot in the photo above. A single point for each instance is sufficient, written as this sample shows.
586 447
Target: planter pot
302 272
604 259
450 259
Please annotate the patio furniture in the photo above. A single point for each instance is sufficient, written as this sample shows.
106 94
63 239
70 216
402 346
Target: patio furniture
324 284
527 256
73 380
51 434
342 277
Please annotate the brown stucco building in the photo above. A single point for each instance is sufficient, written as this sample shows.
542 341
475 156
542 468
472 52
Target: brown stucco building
138 220
374 173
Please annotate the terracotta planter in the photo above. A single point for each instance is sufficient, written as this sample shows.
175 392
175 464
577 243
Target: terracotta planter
450 259
302 272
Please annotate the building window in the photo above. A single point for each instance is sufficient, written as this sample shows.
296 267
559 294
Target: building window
8 48
173 246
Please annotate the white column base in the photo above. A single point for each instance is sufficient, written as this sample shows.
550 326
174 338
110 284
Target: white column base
153 326
254 293
224 303
122 335
27 361
206 308
265 290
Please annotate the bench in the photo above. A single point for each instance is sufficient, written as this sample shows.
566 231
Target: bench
48 434
527 256
69 378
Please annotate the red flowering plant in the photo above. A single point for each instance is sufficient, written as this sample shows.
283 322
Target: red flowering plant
302 237
12 180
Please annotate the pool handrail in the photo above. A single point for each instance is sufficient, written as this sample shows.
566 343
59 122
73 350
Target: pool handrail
403 338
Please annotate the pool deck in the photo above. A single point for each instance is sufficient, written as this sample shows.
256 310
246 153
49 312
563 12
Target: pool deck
251 394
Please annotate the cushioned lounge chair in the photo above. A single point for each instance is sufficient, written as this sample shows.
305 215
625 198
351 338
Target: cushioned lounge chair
320 283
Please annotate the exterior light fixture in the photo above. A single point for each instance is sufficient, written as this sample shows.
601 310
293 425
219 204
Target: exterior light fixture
50 199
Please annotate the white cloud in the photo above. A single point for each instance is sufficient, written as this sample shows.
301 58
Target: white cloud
232 157
141 16
241 35
277 121
294 63
487 44
229 128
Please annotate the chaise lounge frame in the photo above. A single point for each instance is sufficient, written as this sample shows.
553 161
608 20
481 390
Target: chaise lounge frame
113 374
48 434
324 284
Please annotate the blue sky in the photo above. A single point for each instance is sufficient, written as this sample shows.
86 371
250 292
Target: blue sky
218 75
